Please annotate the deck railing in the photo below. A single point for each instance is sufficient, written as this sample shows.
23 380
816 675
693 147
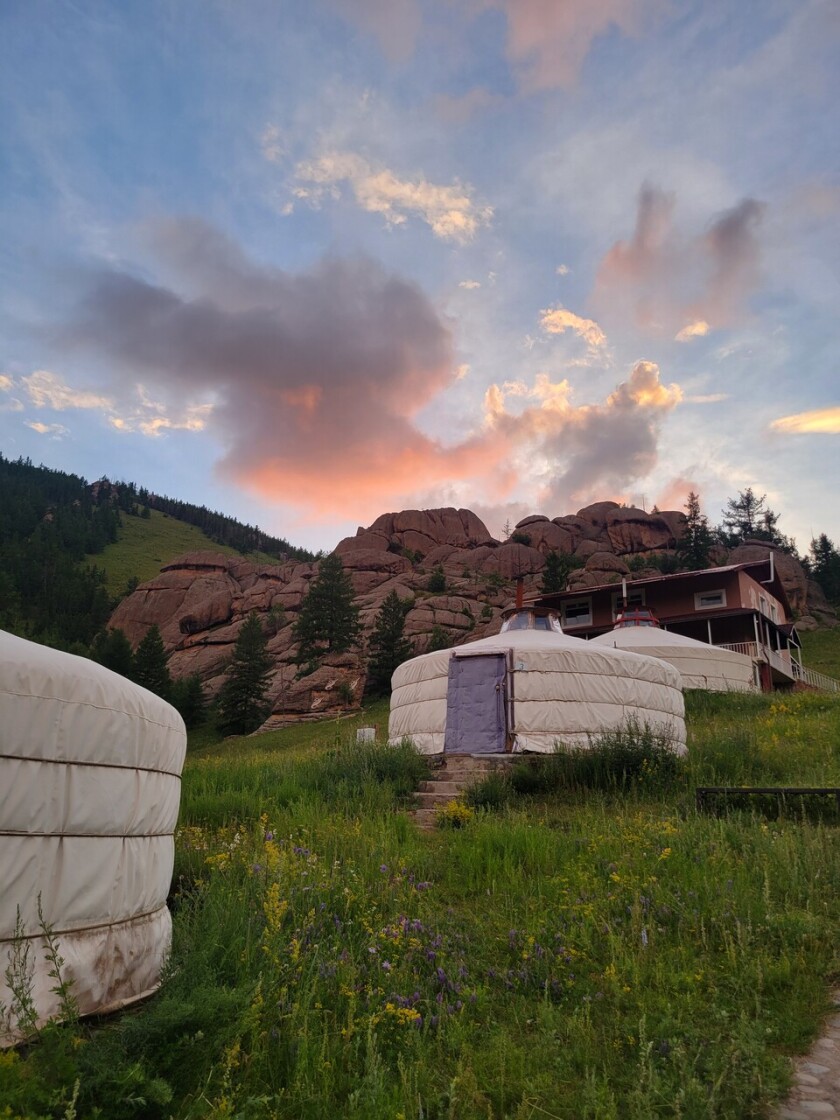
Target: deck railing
791 667
815 679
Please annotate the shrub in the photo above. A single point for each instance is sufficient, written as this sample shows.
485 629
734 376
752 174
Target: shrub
454 814
437 580
520 538
631 756
492 792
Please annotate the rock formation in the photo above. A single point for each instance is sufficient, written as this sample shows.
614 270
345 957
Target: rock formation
200 600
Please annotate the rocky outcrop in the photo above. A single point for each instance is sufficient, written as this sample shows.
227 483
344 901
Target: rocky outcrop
200 600
790 571
420 531
633 530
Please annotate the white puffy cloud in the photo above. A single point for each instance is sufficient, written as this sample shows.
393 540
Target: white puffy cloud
450 211
558 320
55 431
47 390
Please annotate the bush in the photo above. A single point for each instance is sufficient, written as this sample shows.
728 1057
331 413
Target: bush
492 792
437 580
630 757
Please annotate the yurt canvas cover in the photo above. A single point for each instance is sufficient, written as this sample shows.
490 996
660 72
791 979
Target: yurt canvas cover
554 688
700 665
90 770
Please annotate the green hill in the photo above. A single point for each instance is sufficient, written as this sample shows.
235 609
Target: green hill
146 544
69 548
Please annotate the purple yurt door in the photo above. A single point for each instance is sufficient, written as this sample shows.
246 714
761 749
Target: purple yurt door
475 705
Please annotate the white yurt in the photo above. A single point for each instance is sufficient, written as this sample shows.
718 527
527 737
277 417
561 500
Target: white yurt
528 688
90 784
700 665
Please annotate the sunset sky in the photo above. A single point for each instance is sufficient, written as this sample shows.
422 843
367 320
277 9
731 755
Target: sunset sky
309 262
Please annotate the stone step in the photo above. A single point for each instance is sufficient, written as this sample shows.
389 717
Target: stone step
425 818
430 800
453 788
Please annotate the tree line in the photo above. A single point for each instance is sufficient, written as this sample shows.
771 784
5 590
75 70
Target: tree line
51 522
220 528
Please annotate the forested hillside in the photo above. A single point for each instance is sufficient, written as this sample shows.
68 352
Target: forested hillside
54 525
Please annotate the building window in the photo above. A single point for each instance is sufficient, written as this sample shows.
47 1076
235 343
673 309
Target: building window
577 612
707 600
635 599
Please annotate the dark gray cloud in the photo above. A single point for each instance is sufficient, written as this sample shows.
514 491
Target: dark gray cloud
315 377
667 282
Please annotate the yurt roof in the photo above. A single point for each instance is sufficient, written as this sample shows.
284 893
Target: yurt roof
653 637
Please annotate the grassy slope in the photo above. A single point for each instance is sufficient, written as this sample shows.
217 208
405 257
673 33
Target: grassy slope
821 651
146 544
585 956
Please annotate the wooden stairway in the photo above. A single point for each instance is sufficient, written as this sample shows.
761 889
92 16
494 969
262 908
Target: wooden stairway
451 777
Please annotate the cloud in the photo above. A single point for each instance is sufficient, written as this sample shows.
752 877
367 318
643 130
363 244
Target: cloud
548 40
55 431
470 285
47 390
450 211
585 449
706 398
458 110
317 380
193 419
395 23
271 144
819 420
6 383
665 281
562 270
557 320
697 329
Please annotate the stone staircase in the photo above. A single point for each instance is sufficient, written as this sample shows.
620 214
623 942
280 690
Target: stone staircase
454 774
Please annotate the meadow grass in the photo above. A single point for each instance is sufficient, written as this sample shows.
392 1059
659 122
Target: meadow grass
146 544
586 952
821 651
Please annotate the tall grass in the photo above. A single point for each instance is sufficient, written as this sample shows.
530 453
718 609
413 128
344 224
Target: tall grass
596 954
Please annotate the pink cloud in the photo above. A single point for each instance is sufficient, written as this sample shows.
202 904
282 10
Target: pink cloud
548 40
667 282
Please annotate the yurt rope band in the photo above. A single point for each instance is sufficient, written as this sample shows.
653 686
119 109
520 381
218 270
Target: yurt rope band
101 765
85 929
90 835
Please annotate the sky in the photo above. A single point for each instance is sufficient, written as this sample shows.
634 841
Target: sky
310 261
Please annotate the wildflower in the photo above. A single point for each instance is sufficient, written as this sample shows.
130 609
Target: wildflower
383 867
386 966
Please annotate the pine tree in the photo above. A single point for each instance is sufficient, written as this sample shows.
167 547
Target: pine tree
825 567
437 580
694 546
112 649
150 669
188 697
329 619
749 516
388 645
558 565
242 706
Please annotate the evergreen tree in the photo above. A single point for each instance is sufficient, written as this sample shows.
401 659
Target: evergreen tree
558 567
825 567
748 516
437 580
388 646
329 619
150 669
188 697
695 544
112 649
439 639
242 705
